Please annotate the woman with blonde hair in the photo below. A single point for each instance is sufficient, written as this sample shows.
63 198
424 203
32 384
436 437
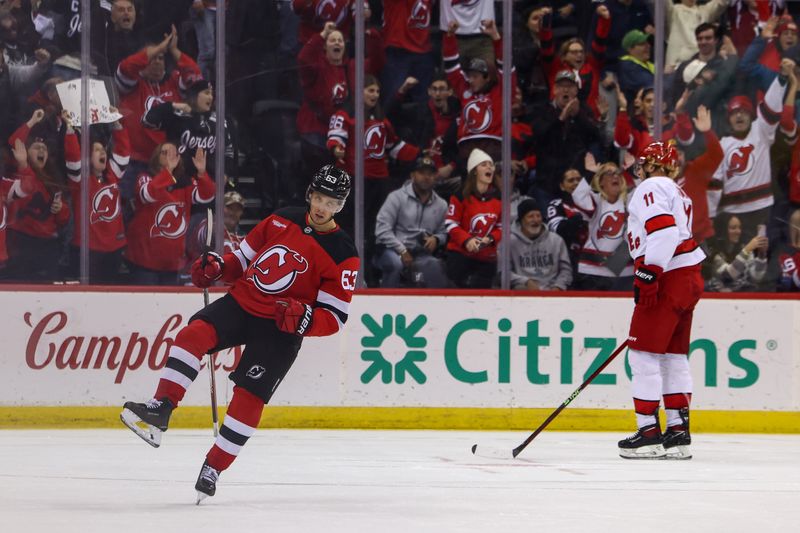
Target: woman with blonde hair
604 263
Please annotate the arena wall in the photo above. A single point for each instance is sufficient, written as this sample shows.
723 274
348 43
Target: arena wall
71 357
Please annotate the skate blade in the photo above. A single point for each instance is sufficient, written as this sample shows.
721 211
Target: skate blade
200 497
679 453
655 451
151 435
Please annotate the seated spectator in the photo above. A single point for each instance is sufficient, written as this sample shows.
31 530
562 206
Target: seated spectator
789 258
636 69
479 88
327 76
143 81
11 189
18 49
191 125
157 232
106 230
745 172
37 218
563 131
604 262
473 225
572 56
410 230
406 31
539 258
680 21
431 125
735 266
532 39
566 219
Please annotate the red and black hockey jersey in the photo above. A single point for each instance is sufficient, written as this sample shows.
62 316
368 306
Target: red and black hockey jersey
106 230
481 114
139 95
406 24
314 14
475 216
284 257
379 137
10 190
157 232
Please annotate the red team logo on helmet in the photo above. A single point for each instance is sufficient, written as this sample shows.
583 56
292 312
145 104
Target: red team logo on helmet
482 223
105 204
170 222
478 115
275 270
611 225
375 141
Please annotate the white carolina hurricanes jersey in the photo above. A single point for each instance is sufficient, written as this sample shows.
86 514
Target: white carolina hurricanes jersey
660 225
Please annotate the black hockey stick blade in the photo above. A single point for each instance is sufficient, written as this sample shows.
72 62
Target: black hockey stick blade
500 453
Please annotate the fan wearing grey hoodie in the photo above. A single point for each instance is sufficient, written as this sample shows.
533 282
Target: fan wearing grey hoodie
539 257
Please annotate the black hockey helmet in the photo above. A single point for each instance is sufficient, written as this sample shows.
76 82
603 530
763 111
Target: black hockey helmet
331 181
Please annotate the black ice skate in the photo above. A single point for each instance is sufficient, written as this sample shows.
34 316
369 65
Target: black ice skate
148 420
647 443
206 482
677 438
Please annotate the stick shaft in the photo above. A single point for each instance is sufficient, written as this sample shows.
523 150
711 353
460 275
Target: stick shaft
571 397
211 375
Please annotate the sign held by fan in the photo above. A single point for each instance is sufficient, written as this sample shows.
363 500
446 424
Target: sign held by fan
100 109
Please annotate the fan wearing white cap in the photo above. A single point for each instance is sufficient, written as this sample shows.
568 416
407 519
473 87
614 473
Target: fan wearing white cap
473 225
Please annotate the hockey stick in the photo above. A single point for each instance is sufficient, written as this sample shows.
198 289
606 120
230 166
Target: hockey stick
503 453
212 378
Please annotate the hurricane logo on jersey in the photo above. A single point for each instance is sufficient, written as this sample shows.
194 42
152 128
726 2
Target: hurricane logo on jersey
478 115
612 223
331 11
339 93
275 270
420 16
375 141
170 222
740 161
481 224
105 204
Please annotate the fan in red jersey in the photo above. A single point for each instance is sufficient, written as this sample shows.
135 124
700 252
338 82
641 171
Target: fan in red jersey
293 276
667 286
164 197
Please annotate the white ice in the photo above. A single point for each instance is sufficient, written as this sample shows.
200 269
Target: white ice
109 481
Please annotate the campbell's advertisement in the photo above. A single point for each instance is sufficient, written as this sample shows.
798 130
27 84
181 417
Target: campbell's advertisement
95 348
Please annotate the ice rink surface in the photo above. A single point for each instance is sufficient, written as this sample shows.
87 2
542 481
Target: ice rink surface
109 481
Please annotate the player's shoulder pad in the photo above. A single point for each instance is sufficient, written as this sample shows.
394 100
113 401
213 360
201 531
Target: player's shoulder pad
338 244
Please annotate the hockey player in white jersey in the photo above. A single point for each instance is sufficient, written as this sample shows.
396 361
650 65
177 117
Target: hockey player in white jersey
667 286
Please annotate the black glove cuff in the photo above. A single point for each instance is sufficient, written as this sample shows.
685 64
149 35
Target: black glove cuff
645 276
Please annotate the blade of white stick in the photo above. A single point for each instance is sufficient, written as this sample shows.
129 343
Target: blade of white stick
209 226
492 453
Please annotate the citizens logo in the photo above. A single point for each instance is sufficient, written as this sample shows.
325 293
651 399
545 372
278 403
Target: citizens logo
410 353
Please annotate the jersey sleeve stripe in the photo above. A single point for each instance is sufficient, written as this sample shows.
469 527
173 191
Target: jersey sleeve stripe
340 317
659 222
334 302
241 257
247 251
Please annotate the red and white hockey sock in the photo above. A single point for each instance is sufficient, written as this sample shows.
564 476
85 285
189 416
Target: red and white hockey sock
677 386
645 385
240 423
183 363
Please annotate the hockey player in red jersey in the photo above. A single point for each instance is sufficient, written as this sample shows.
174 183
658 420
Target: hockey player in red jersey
293 276
667 286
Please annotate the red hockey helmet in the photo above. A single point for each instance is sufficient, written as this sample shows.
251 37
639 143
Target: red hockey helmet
741 102
660 153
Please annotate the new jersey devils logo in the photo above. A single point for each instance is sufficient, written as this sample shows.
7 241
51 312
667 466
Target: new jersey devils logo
331 11
339 93
478 115
481 224
740 162
375 141
170 222
420 16
275 270
105 204
611 225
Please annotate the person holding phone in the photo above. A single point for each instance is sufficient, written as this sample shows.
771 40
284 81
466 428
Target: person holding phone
736 266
